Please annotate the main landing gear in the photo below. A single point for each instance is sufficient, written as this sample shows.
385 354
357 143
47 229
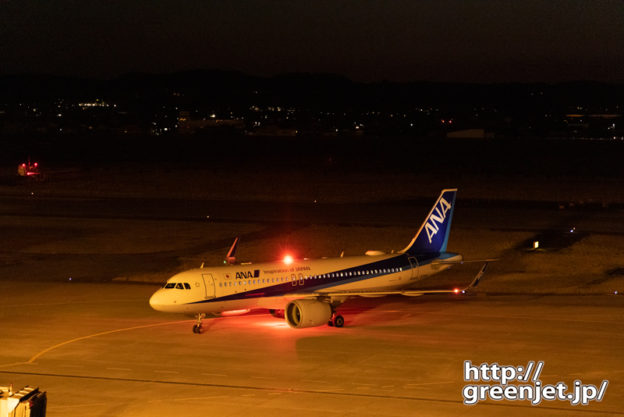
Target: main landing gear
197 328
337 321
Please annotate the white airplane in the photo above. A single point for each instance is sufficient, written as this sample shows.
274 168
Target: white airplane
309 291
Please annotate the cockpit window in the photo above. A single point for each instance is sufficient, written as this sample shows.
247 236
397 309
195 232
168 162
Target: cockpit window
187 285
179 286
170 285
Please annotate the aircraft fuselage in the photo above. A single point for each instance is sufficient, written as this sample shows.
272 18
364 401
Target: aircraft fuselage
270 285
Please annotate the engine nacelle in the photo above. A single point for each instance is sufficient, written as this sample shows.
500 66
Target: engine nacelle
307 313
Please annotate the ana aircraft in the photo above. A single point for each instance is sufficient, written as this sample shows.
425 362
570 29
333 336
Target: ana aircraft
307 292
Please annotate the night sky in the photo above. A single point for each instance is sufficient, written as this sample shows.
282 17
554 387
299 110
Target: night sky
366 40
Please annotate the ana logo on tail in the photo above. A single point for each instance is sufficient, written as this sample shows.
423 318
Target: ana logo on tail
433 233
436 218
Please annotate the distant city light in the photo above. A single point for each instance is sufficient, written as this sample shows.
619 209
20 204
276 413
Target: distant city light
97 103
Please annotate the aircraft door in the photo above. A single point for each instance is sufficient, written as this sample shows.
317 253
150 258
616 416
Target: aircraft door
413 267
209 286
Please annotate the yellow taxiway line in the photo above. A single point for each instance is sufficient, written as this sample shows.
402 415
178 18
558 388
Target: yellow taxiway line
77 339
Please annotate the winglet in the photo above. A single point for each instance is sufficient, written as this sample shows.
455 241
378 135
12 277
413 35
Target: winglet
231 255
477 277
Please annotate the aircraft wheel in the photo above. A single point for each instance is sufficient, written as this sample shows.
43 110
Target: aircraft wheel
197 328
330 323
338 321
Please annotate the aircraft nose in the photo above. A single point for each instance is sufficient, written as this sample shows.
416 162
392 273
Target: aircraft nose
155 300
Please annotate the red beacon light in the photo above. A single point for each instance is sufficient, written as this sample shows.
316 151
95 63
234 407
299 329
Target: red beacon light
288 259
456 290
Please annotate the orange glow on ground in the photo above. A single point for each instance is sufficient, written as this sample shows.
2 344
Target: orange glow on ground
275 324
234 312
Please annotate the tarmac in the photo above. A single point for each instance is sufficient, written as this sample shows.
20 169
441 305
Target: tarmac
99 350
75 319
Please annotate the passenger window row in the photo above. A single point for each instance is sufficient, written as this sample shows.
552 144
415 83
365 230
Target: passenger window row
323 276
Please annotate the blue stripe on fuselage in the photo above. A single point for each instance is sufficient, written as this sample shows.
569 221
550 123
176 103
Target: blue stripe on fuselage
318 282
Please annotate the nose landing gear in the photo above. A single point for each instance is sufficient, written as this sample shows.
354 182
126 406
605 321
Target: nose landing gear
197 328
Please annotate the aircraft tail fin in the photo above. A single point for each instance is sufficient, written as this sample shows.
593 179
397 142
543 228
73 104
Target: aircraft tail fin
432 237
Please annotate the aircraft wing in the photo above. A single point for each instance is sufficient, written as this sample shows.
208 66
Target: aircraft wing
409 293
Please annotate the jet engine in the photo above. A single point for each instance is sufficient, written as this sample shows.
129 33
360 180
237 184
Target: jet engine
307 313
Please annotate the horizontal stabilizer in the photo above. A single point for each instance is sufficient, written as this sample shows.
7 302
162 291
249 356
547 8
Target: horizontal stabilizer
463 261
